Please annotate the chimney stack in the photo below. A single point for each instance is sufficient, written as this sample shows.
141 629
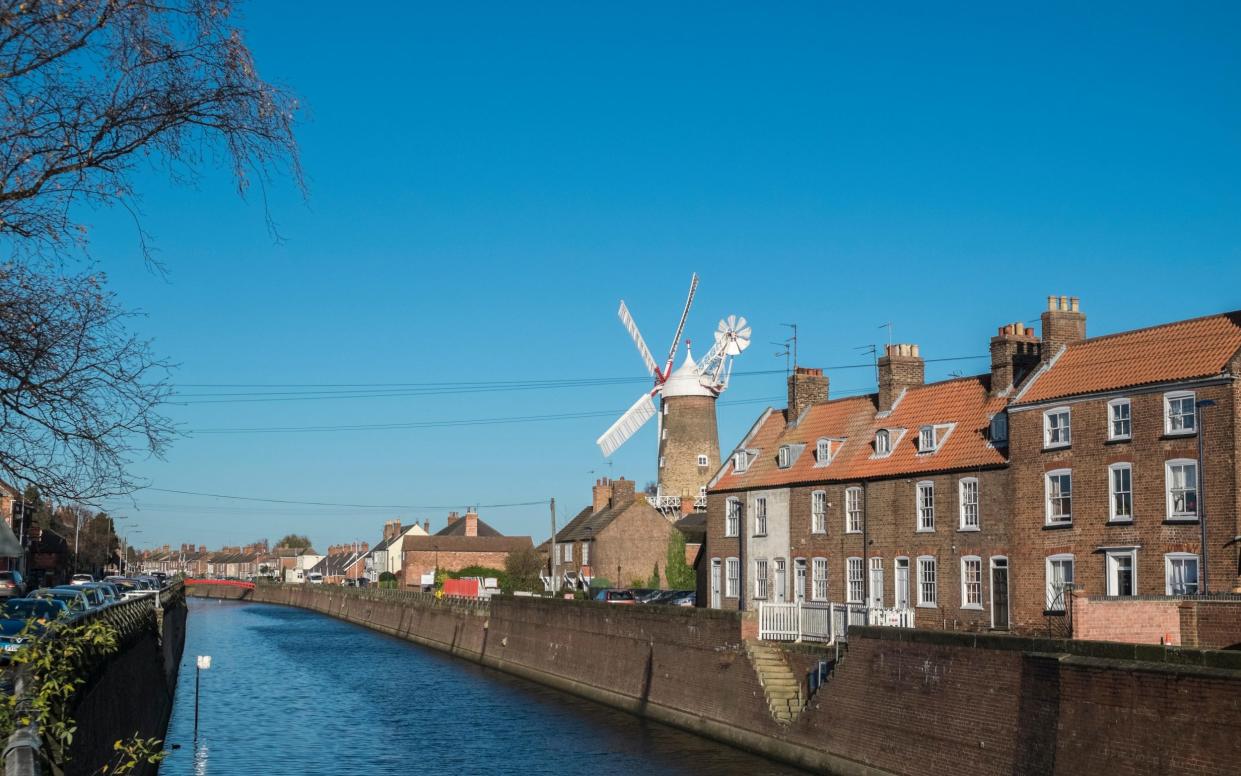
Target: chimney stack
1015 351
807 386
602 492
900 367
471 523
622 492
453 517
1063 324
426 526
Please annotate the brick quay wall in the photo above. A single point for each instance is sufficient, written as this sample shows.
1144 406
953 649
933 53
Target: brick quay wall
900 701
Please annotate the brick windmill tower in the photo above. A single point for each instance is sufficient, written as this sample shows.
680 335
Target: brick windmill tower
689 444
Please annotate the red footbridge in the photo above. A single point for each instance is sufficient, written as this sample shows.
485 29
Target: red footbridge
220 583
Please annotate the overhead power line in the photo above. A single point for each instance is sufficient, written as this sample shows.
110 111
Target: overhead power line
266 500
312 392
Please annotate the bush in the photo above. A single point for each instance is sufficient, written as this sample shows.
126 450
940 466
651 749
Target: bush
680 574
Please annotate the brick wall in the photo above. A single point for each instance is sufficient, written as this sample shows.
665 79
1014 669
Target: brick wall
1202 623
902 701
419 562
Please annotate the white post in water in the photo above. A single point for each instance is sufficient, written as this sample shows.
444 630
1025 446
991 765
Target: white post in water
204 663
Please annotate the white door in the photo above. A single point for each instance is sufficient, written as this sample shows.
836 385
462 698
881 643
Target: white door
876 583
902 583
715 583
781 581
799 579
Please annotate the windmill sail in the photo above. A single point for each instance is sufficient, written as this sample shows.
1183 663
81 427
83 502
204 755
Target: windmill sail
627 425
643 350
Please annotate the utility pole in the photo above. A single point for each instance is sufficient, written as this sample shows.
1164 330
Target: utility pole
552 545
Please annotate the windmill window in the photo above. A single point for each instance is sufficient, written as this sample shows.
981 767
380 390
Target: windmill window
702 460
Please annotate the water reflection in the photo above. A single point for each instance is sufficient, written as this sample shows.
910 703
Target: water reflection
294 692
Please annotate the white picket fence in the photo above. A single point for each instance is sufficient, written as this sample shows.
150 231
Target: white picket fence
823 622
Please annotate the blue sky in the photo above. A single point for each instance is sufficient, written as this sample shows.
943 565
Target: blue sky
487 180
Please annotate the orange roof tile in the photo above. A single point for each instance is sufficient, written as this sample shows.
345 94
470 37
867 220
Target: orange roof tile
1201 347
964 403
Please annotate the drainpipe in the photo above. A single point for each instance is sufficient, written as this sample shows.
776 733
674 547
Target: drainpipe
743 526
865 549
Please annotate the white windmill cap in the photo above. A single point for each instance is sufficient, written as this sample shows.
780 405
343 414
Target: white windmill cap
686 381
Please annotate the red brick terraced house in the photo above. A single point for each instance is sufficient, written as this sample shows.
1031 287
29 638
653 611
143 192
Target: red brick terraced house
1108 483
897 499
463 542
972 501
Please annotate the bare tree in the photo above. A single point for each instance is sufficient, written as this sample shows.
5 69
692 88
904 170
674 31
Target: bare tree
79 394
89 89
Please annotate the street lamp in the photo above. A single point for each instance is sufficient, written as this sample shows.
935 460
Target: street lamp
1201 404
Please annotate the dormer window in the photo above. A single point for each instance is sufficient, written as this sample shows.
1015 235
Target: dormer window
999 428
928 439
741 461
784 457
825 450
883 442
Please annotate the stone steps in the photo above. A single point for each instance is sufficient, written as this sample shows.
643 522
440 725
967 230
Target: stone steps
782 689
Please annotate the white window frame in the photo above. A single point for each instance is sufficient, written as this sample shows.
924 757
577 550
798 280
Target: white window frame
925 584
1169 427
1051 593
964 487
1047 497
968 586
762 579
741 461
1173 558
823 451
704 461
732 516
784 457
818 512
567 553
760 516
925 512
732 577
855 580
928 439
1112 569
853 509
661 462
1063 434
818 579
585 553
1113 409
883 442
1113 514
1168 490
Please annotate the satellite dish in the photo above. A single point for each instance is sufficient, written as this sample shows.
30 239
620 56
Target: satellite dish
733 335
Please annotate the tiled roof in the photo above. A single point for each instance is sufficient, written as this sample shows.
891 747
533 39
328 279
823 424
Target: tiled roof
466 543
962 404
457 528
577 529
1201 347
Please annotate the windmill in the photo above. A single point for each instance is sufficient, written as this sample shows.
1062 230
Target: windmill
688 439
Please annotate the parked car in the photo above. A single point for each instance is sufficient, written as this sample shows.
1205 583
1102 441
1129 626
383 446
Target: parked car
12 585
81 579
39 609
74 598
314 578
94 596
643 594
661 597
610 596
682 598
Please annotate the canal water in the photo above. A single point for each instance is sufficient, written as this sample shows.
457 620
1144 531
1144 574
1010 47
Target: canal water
295 692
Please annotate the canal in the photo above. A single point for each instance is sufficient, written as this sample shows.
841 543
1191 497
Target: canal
295 692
